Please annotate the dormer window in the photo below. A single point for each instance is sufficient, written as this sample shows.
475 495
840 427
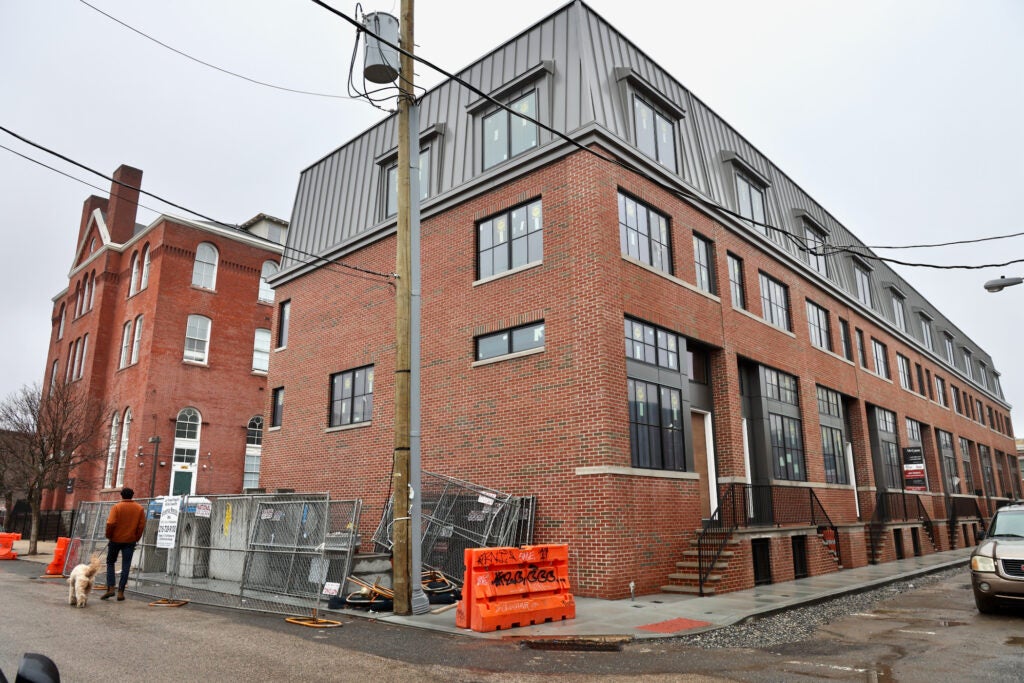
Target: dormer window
508 135
899 310
750 201
926 332
815 242
862 276
655 134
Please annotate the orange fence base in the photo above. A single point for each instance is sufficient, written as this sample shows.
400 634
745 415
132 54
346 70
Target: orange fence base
56 567
7 546
514 587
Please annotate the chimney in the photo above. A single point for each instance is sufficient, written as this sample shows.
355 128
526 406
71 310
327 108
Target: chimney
124 203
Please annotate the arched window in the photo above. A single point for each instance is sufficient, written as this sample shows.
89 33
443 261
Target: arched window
197 339
60 325
204 272
253 452
126 337
137 341
81 362
186 436
85 293
92 289
266 291
133 286
144 280
115 423
78 299
122 457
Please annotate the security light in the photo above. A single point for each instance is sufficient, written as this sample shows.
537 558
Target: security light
998 285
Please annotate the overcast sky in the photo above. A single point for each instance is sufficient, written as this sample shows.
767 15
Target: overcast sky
903 119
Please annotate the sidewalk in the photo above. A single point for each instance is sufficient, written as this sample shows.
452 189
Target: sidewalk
663 614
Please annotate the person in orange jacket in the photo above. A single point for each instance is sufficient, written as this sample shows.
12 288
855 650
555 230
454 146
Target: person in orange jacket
125 525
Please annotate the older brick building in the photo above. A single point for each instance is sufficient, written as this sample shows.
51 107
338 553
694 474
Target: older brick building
704 377
169 325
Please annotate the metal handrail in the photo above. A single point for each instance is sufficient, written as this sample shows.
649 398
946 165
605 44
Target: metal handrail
714 536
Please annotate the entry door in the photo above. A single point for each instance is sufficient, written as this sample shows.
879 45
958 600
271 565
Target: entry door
181 482
700 463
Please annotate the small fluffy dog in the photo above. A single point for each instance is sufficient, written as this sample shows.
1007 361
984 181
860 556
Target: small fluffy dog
81 580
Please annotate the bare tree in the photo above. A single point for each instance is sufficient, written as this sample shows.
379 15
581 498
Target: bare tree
47 436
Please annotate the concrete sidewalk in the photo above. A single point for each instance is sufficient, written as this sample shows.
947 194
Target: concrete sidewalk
662 614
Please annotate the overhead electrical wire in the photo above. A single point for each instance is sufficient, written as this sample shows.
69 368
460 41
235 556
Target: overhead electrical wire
214 66
230 226
684 194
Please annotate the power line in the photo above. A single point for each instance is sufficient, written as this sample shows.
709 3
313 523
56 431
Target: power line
229 226
683 194
213 66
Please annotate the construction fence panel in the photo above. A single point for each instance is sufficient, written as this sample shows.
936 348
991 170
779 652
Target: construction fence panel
270 552
457 515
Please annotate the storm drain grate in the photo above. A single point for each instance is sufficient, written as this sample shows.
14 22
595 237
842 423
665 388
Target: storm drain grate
575 644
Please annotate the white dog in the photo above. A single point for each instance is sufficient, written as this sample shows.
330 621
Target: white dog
81 580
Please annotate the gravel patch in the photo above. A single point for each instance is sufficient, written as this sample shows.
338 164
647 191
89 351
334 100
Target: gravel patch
794 625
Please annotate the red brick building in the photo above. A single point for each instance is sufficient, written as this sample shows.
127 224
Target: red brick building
168 324
707 381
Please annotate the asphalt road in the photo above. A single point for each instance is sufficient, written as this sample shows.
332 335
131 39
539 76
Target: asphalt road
931 633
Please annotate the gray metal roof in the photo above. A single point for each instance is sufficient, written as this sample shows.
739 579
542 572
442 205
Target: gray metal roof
583 63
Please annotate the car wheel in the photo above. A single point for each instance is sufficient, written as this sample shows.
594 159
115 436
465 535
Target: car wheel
985 605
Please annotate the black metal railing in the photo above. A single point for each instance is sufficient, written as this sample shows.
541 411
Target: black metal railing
52 524
715 534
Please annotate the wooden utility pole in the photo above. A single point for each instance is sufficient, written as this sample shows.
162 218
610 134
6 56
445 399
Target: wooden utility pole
401 550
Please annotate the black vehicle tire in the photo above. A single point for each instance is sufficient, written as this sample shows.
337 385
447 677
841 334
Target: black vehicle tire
985 605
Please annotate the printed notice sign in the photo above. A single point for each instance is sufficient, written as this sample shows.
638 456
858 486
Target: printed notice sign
168 522
913 469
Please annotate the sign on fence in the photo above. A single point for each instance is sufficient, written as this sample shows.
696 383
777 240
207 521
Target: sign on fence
168 522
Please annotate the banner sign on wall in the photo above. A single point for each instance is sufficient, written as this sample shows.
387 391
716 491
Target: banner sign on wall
913 469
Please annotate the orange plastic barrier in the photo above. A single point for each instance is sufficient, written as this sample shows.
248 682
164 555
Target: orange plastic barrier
60 551
512 587
7 546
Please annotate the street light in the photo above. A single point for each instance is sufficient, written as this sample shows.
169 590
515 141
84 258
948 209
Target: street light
998 285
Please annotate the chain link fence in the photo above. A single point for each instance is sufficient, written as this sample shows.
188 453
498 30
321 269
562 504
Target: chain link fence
457 515
268 553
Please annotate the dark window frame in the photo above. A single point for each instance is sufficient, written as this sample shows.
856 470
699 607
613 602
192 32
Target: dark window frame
658 251
529 241
351 397
515 341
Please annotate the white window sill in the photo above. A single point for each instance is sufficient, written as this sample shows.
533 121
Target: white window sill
345 428
764 322
507 273
671 278
508 356
634 472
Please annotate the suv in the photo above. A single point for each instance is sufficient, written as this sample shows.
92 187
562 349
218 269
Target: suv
997 563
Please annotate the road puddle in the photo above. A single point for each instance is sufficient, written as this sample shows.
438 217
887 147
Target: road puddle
1015 640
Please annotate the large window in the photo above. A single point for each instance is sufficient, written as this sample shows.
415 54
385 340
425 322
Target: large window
133 286
524 338
736 284
144 278
284 314
785 428
655 134
926 332
968 364
986 470
261 351
351 397
655 426
253 452
137 340
899 311
204 271
126 340
391 183
703 264
818 326
115 426
508 135
965 460
860 349
60 325
940 391
277 407
881 355
750 201
197 339
186 437
833 441
122 457
844 334
652 345
949 461
948 341
863 279
510 240
775 302
266 292
903 366
890 455
643 234
815 242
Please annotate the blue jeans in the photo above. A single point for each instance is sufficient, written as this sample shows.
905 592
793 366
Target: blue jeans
126 550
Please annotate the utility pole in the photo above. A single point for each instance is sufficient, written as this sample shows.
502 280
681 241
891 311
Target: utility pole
402 556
